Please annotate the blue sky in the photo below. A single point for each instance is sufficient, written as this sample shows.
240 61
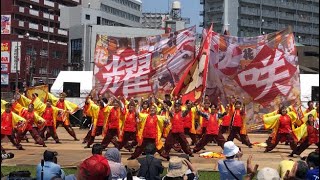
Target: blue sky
190 9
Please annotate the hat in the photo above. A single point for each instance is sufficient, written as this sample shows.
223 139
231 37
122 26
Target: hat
133 165
268 174
62 95
176 168
230 149
49 155
177 102
95 167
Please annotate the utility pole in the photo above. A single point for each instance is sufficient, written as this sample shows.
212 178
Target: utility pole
16 58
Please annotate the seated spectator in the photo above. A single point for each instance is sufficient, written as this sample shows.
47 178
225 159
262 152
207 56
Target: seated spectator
191 173
284 166
132 168
114 158
231 168
50 167
150 167
95 167
313 163
177 169
268 174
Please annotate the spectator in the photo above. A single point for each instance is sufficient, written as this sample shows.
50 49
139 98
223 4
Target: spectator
97 149
284 166
132 170
95 167
268 174
231 168
177 169
150 167
191 173
114 158
50 167
313 163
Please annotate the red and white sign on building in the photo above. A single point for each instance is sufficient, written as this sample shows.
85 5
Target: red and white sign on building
5 52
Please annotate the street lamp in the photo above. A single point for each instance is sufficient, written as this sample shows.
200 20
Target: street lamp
48 53
261 24
299 37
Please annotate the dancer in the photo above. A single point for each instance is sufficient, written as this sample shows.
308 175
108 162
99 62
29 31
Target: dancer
50 114
150 129
189 122
10 121
113 123
34 122
226 120
64 119
129 127
310 136
212 133
238 125
282 125
177 131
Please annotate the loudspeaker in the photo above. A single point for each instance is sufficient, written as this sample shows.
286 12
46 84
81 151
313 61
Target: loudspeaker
71 89
315 93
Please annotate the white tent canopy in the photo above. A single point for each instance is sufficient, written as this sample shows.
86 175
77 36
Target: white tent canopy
306 83
82 77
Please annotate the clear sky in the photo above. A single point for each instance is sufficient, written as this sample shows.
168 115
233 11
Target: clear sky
190 9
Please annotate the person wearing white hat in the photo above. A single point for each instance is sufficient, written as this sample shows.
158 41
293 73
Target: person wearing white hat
177 169
268 174
231 168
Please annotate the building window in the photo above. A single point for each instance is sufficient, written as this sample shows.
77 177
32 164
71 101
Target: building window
98 20
42 70
76 50
87 17
55 72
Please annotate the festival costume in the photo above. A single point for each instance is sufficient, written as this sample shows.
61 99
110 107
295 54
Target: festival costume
306 134
238 127
34 123
189 124
128 133
113 125
63 119
50 114
150 128
177 135
212 134
283 126
9 122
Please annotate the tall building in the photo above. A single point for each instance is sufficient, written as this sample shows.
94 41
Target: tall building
154 20
113 17
255 17
27 56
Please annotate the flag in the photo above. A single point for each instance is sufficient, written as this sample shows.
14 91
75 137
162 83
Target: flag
42 92
193 82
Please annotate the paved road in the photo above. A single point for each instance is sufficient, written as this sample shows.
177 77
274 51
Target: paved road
71 153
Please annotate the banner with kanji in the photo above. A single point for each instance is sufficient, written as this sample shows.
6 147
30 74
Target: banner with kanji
261 71
142 65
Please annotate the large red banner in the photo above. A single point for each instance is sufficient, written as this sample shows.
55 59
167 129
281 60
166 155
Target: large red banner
262 70
143 65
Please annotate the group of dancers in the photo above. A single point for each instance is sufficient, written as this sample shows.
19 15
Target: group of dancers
132 124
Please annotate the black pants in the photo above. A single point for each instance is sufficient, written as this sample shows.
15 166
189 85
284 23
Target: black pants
110 137
50 133
68 128
271 146
235 132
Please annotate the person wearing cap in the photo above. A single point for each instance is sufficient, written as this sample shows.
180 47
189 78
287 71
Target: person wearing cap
177 131
9 122
150 128
231 168
64 121
34 122
313 164
212 133
282 126
268 174
177 169
95 167
50 114
50 167
238 127
129 127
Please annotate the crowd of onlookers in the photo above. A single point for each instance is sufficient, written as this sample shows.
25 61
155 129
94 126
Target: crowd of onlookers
108 166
